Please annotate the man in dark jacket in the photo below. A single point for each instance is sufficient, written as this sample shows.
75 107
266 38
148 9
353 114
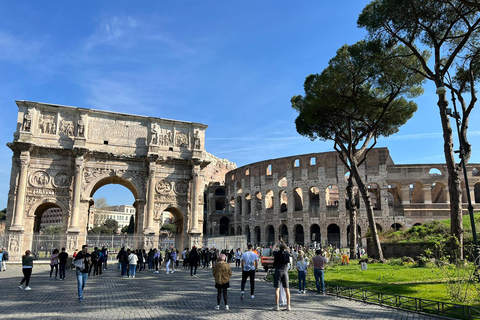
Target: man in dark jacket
193 259
82 263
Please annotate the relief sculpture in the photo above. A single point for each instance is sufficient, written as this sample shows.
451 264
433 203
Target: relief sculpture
27 122
166 137
66 127
182 139
181 187
163 186
46 124
39 179
62 180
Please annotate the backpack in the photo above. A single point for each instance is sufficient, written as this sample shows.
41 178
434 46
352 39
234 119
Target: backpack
100 255
94 256
5 256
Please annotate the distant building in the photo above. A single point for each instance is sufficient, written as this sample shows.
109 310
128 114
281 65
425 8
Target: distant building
121 214
51 217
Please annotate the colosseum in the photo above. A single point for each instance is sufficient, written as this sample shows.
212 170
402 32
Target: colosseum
301 198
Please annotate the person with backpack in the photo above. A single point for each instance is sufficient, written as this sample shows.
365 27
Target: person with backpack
98 267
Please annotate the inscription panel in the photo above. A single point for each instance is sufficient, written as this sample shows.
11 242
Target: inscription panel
101 128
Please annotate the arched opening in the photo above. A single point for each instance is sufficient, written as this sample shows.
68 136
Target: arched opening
314 197
394 194
249 234
239 205
283 201
396 226
224 226
439 193
332 196
434 172
476 191
333 235
48 215
374 192
299 235
359 235
232 231
258 201
248 201
232 205
270 231
220 192
298 199
239 186
417 224
379 227
283 183
219 205
284 233
256 232
239 231
416 193
269 200
179 223
315 233
49 226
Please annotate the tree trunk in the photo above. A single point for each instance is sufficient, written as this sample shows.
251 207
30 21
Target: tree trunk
352 208
454 187
370 215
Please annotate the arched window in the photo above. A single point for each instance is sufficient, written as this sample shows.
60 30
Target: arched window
298 199
283 201
332 196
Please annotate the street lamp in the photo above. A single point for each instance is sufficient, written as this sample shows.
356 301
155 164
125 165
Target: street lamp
461 153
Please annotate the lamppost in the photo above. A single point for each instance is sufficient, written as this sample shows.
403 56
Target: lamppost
461 153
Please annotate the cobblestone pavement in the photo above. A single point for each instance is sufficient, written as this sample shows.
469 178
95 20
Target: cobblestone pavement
162 296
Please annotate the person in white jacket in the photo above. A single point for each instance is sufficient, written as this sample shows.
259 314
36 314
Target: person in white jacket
132 263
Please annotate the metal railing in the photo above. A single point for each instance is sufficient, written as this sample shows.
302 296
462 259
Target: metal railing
414 304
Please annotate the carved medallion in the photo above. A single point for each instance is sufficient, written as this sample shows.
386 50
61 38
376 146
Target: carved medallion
62 180
39 179
181 187
163 186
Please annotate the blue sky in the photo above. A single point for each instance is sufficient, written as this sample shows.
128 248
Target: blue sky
231 65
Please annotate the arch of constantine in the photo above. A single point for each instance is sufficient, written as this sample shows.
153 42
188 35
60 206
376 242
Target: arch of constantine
302 198
62 155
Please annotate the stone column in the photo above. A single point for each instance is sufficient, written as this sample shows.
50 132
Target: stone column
21 190
427 194
149 228
197 195
77 189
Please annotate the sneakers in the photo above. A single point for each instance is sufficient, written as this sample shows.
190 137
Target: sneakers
276 308
80 299
155 272
253 297
20 287
226 307
167 272
242 296
288 308
28 288
217 307
172 271
300 291
133 276
304 291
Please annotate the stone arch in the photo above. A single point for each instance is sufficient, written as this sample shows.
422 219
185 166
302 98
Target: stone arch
416 192
232 205
224 226
180 225
314 197
283 197
333 235
239 231
476 192
283 182
396 226
283 232
417 224
270 232
374 192
220 205
238 205
248 202
232 231
39 207
438 192
394 194
220 192
269 200
256 235
435 172
258 201
298 199
239 187
299 234
332 196
315 232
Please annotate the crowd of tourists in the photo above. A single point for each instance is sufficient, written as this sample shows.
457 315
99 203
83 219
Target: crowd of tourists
132 261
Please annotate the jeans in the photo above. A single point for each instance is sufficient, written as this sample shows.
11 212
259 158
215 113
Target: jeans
133 268
192 266
245 275
302 275
124 269
62 271
81 282
319 280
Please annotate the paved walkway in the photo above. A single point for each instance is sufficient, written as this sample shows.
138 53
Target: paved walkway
161 296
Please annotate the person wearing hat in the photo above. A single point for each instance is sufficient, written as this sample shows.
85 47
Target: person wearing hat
82 262
27 267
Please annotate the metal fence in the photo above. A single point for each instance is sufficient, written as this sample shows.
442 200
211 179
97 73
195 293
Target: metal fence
416 304
231 242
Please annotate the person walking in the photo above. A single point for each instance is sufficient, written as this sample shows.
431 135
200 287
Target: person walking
82 263
238 257
318 270
222 273
249 267
54 263
105 257
302 266
193 260
132 263
62 258
4 259
1 258
27 268
281 259
173 259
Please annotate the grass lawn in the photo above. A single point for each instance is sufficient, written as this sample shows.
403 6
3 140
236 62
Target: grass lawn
416 282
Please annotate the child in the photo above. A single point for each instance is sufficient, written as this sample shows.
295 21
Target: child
222 273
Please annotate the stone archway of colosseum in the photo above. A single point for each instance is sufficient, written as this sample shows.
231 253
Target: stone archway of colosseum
64 154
